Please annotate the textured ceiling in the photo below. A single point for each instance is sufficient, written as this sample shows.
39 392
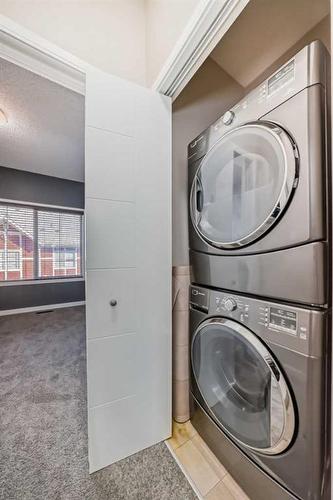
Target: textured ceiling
264 31
45 129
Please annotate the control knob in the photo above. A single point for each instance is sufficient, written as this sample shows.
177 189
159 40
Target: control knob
230 304
228 117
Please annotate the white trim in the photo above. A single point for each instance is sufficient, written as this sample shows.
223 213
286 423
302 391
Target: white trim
32 52
40 281
22 310
184 471
209 23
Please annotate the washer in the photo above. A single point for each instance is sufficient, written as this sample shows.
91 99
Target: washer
258 188
260 392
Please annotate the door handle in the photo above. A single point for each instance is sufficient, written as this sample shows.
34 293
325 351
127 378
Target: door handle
199 200
274 369
113 302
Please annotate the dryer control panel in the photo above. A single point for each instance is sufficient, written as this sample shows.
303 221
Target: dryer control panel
298 328
299 72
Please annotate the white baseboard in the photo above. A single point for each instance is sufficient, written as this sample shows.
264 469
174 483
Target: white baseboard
47 307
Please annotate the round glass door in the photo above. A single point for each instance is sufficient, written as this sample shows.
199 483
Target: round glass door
242 386
243 184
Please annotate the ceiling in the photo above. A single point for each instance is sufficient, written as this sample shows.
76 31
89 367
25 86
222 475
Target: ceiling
45 129
264 31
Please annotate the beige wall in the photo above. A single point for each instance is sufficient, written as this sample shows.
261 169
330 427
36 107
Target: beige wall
129 38
244 52
165 22
109 34
319 32
210 92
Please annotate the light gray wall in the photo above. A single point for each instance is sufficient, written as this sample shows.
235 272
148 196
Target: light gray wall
210 92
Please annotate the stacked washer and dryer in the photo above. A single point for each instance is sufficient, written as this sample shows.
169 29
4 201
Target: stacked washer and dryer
260 254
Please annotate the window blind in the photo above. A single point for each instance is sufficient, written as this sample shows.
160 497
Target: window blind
39 243
59 244
16 243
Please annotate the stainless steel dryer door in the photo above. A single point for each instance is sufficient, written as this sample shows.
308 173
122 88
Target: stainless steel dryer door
243 184
242 386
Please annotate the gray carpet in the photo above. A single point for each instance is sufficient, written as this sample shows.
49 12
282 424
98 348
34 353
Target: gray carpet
43 427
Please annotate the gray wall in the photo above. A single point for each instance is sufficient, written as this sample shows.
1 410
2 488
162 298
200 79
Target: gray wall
20 185
17 185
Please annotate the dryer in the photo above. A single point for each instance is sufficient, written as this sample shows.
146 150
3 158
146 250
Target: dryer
260 382
258 188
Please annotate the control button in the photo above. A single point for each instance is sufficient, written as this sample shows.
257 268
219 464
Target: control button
230 304
228 117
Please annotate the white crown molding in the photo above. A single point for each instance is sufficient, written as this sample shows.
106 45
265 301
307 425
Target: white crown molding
32 52
209 23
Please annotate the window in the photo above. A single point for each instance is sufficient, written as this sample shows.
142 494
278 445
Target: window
64 259
10 260
59 244
39 243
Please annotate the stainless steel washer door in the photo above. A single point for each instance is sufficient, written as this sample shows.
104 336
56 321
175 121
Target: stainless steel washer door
243 184
242 386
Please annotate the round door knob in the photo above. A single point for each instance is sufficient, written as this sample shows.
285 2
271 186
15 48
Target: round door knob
230 304
228 117
113 302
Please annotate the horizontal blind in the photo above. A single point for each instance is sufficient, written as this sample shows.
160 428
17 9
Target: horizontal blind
37 243
59 244
16 243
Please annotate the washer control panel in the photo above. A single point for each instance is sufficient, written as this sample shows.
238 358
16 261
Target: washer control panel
282 324
230 303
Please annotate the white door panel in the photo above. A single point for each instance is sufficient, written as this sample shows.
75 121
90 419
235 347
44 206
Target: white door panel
128 229
111 110
118 430
104 285
110 234
114 157
114 366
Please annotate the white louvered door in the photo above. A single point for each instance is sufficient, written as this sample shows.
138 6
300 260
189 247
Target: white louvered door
128 261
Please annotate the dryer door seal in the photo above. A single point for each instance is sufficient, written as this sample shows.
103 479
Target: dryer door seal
243 184
242 386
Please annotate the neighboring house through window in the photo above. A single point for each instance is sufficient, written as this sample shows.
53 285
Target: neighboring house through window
64 258
10 261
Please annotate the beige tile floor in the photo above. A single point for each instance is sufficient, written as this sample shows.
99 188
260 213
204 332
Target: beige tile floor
207 475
